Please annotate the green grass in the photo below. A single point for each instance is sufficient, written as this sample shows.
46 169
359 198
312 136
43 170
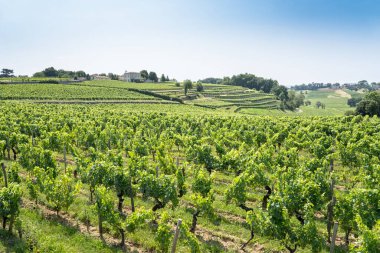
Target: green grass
336 105
52 235
11 243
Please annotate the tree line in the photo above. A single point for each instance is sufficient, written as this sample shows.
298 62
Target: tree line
152 76
6 73
363 84
60 73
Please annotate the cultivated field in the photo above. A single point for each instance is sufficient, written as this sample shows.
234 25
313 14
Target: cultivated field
134 169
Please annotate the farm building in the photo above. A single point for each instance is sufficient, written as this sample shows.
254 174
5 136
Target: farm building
131 76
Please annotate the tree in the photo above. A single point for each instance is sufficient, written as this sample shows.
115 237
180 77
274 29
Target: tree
187 85
153 77
199 86
39 74
212 80
249 81
163 78
281 92
7 73
352 102
144 74
113 76
80 73
50 72
370 105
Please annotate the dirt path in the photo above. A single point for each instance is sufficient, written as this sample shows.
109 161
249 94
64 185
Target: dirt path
342 93
226 241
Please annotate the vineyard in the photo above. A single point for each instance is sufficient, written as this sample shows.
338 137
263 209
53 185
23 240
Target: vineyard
114 178
67 92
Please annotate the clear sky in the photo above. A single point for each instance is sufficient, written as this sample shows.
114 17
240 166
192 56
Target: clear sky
292 41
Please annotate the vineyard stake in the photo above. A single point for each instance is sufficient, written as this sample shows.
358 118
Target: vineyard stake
332 245
330 210
177 230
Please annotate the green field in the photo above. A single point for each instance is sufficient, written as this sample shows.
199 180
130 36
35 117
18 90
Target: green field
336 103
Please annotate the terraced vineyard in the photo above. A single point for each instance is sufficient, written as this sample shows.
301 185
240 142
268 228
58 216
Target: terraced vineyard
214 96
238 99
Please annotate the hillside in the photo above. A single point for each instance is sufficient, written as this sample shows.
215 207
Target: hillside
221 98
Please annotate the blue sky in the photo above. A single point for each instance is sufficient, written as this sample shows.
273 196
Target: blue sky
292 41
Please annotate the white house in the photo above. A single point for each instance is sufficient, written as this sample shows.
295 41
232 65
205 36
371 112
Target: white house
131 76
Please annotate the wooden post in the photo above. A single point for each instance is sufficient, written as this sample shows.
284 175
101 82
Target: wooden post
177 162
332 245
176 235
330 206
157 171
331 165
330 217
4 174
